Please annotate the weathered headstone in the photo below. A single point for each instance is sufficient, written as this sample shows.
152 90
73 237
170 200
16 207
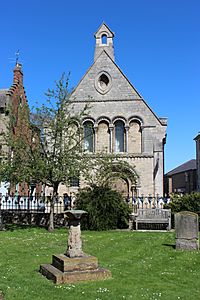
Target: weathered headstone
75 265
187 230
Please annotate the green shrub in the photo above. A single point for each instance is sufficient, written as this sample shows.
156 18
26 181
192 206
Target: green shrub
106 208
188 202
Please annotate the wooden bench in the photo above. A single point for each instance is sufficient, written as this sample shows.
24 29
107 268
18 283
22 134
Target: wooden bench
153 216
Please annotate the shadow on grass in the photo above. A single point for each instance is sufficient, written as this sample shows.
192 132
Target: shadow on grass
170 245
12 227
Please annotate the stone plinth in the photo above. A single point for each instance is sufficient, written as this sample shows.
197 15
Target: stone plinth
67 264
69 270
187 230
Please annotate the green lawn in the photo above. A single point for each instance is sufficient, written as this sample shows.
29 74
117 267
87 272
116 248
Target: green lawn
144 265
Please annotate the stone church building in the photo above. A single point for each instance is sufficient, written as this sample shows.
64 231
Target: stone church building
120 121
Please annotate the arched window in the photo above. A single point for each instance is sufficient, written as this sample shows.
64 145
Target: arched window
135 137
104 39
103 137
88 136
119 136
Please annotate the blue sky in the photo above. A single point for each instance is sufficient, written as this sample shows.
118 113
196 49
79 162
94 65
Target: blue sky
157 46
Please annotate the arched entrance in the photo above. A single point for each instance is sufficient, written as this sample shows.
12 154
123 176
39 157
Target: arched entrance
121 185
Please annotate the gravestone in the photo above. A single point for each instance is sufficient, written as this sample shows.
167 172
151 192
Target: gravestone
187 230
75 265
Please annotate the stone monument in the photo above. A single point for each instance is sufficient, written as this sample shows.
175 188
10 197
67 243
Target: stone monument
75 265
187 230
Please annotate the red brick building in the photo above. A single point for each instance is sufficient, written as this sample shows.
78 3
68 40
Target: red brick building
11 100
182 179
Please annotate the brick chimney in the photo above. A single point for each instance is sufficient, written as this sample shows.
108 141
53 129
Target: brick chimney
18 74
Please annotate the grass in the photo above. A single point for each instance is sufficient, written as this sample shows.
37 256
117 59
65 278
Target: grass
144 265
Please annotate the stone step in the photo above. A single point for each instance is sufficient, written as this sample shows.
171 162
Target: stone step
67 264
51 273
58 277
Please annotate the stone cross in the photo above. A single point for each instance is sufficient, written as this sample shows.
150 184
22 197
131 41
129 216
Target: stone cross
187 230
74 248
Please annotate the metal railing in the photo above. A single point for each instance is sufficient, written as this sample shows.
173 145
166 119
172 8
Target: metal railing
38 204
148 202
32 204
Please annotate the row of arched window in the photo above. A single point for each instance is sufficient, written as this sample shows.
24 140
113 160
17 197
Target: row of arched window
116 138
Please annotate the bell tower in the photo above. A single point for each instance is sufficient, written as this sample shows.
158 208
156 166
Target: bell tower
104 41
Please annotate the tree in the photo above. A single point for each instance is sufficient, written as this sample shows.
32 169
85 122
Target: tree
46 146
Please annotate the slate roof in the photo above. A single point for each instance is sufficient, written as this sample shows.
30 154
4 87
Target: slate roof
3 98
189 165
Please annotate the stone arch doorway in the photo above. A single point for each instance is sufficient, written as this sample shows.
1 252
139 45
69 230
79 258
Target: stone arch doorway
121 185
123 178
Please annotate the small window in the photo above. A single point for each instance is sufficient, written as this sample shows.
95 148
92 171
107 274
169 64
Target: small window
104 39
119 136
88 137
103 81
74 182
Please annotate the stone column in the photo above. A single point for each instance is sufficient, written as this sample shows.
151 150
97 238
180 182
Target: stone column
126 139
95 137
74 248
142 138
111 127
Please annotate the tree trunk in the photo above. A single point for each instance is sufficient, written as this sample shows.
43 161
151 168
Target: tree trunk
51 215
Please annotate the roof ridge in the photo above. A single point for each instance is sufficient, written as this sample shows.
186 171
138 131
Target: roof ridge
188 165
